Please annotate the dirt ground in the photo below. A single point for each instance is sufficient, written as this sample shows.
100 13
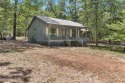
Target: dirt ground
21 62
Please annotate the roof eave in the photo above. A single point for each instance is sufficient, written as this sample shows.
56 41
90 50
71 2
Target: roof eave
69 26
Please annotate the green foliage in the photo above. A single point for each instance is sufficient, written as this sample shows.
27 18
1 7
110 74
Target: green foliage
117 31
53 31
5 14
103 17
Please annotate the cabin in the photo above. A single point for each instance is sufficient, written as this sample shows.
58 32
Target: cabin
56 32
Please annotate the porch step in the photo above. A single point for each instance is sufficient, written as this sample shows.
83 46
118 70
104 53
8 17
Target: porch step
73 44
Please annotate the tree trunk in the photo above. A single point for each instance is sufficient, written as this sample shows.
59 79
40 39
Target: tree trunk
26 34
96 22
14 27
0 35
75 11
124 49
14 23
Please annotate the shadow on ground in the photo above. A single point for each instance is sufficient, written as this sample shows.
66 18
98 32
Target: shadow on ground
4 64
15 74
7 46
113 48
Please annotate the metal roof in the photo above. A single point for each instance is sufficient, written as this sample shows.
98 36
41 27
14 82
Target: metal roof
60 21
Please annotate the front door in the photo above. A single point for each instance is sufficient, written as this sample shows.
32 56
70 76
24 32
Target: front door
64 32
73 32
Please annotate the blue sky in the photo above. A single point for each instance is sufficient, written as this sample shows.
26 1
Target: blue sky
22 0
56 1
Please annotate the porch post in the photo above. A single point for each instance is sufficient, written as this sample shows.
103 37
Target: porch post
57 32
47 34
78 32
65 31
70 32
86 33
47 31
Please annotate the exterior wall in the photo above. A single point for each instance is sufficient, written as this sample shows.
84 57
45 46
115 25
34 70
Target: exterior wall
36 31
60 32
68 32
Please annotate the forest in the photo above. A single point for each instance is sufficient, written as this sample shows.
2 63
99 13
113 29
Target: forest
100 60
105 19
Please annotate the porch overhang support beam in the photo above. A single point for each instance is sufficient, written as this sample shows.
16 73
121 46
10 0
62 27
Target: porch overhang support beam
78 32
47 34
70 32
57 32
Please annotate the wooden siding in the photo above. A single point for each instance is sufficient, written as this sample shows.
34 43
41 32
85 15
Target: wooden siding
36 31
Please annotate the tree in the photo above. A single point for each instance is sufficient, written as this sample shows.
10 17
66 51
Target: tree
96 6
73 10
50 8
15 19
25 11
117 31
96 14
5 14
28 8
61 9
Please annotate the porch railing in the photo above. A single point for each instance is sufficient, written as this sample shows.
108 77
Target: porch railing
67 40
53 37
82 41
79 40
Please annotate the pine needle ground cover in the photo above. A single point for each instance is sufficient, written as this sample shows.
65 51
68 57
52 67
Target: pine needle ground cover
22 62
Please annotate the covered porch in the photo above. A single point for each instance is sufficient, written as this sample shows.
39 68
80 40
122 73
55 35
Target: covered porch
65 35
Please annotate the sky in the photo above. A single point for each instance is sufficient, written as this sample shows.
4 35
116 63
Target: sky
22 0
56 1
